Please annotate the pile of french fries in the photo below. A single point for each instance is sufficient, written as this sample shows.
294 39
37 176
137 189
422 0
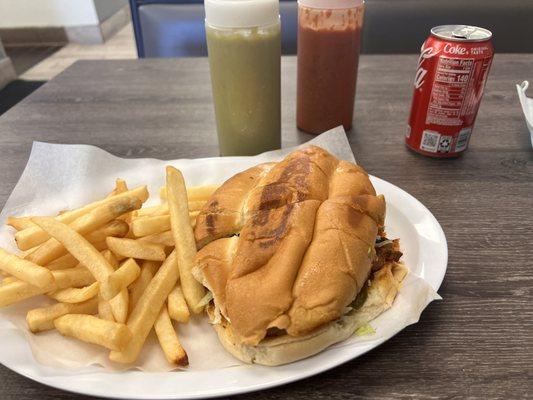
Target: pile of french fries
115 269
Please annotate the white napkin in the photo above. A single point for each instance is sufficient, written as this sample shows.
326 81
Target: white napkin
58 177
527 106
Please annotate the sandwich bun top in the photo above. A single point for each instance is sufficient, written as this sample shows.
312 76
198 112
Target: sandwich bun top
307 227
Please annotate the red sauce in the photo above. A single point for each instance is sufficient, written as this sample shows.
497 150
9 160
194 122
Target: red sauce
327 71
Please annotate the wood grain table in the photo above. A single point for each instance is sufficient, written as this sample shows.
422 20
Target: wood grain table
477 343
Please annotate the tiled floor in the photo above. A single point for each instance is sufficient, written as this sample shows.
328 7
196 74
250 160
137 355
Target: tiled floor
16 91
24 58
120 46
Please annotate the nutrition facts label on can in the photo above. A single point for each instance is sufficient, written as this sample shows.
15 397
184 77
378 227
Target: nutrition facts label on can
451 88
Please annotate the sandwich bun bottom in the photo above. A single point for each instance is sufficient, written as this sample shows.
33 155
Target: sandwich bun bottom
278 350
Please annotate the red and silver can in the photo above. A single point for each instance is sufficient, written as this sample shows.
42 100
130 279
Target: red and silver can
451 74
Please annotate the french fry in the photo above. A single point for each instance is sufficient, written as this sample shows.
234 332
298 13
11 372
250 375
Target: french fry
25 270
192 218
74 259
168 339
168 250
153 211
130 234
146 311
196 205
9 279
194 209
119 306
63 262
91 329
120 187
75 295
127 219
120 279
25 253
69 261
183 238
16 291
99 246
20 223
131 248
104 310
42 319
177 306
163 238
87 223
194 193
34 236
148 270
78 246
89 256
150 225
201 192
119 257
110 258
72 277
115 228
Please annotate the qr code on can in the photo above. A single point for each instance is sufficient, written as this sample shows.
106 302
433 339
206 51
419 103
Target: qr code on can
430 141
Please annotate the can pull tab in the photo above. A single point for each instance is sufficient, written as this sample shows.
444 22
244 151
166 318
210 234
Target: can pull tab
464 32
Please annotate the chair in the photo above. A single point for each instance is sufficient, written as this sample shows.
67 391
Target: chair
400 26
175 28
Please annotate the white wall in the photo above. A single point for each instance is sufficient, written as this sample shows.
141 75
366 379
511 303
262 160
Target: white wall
2 51
107 8
40 13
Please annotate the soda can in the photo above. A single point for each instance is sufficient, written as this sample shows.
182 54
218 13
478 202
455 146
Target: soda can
452 70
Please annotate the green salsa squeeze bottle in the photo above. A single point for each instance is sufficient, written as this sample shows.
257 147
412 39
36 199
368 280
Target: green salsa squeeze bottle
244 48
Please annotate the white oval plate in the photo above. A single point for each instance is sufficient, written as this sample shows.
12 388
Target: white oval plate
425 252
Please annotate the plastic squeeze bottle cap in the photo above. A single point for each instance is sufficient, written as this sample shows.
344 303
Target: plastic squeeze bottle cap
331 4
241 13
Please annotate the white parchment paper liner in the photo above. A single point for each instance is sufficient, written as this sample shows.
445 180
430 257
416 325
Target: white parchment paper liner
66 176
527 106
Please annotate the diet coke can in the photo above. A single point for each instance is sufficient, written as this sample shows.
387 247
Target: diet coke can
451 74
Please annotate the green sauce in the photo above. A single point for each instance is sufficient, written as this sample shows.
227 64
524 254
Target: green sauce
245 75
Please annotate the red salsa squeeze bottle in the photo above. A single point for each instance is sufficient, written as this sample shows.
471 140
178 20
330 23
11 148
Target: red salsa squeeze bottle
329 36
